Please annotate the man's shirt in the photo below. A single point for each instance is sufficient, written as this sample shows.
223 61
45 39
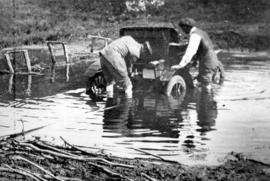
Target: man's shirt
125 46
193 45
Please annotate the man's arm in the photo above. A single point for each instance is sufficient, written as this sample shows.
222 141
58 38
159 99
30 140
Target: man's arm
191 50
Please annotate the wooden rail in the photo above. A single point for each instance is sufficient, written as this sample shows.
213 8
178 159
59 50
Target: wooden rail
50 46
26 56
94 38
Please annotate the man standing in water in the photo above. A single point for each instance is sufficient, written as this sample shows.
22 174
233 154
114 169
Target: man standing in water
201 46
116 59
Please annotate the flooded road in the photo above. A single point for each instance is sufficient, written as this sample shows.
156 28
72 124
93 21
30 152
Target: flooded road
201 128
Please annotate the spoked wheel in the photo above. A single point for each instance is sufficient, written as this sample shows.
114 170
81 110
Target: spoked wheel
176 87
96 86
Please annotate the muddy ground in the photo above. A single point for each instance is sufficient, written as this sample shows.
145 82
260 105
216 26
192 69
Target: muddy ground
38 160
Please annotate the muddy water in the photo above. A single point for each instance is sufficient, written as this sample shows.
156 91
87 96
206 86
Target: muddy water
201 128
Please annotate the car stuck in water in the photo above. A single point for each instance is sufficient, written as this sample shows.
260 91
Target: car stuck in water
167 49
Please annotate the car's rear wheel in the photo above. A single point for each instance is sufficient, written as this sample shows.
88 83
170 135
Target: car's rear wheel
96 86
176 87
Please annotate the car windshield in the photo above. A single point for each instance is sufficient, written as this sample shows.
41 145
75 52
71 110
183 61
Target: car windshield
159 39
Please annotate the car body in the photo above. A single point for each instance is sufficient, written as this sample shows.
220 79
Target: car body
167 47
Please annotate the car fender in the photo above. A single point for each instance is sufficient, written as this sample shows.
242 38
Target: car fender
184 72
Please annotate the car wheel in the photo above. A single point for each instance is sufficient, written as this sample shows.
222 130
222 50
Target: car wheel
96 86
176 87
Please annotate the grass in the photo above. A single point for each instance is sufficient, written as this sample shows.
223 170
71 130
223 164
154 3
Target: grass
36 21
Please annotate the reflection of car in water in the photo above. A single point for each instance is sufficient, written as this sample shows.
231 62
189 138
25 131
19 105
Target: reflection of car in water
161 116
153 113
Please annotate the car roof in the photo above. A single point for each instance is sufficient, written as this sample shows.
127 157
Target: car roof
150 27
153 24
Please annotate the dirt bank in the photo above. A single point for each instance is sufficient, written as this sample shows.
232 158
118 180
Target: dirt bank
39 160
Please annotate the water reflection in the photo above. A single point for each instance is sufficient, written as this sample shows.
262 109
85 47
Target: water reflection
142 117
67 72
206 111
53 74
10 84
38 85
117 115
29 83
52 78
202 126
18 85
161 116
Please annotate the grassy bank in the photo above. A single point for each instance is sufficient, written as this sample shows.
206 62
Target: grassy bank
231 24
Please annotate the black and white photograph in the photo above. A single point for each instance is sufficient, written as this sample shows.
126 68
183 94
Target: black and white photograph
134 90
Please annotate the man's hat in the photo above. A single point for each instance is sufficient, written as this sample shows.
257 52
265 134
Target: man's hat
147 47
187 22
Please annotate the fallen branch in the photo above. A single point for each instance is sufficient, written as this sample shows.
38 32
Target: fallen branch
72 157
26 154
148 177
22 133
36 165
97 159
52 148
42 179
72 179
50 152
156 156
258 162
35 174
16 171
76 148
110 163
77 158
148 153
109 172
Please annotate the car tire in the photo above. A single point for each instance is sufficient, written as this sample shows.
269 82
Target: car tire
96 86
176 86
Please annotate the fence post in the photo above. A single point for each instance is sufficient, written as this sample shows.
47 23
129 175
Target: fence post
28 61
94 38
26 57
11 70
51 52
50 43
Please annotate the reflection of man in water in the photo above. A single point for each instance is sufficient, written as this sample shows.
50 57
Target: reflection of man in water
117 115
206 110
126 116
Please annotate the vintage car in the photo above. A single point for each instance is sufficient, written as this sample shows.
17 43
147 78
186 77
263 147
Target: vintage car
168 47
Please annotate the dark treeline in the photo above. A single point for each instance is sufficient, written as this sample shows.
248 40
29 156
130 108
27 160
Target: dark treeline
235 10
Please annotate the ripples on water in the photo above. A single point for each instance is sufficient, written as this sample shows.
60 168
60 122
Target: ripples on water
202 128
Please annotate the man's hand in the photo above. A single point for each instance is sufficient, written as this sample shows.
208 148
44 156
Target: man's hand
176 67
